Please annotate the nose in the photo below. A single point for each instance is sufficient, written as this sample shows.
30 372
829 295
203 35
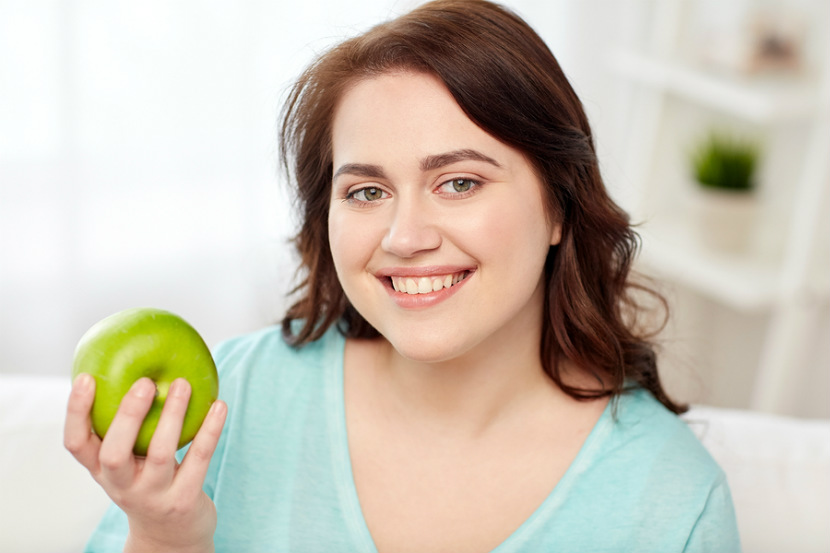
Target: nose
413 229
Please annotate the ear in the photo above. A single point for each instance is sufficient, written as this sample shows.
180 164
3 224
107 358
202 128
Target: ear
556 234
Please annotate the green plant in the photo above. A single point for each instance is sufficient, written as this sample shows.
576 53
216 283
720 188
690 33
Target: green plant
725 162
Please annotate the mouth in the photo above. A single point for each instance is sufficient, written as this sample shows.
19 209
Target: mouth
414 285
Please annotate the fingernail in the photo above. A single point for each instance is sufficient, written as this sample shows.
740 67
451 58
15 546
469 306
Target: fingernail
179 387
82 382
144 387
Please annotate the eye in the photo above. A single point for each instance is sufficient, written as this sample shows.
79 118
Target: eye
459 186
368 194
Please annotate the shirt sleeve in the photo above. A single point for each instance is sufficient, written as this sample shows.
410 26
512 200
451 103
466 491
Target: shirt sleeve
111 533
716 529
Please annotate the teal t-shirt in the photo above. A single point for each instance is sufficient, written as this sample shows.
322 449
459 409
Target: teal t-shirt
281 477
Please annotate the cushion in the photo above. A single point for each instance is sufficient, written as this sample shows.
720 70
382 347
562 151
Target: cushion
50 503
778 470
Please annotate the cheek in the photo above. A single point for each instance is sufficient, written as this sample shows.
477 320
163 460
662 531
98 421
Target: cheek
514 231
352 240
338 241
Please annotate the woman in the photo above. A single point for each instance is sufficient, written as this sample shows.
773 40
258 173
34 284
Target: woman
463 369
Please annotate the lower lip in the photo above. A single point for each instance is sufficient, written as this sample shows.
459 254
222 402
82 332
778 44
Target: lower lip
418 301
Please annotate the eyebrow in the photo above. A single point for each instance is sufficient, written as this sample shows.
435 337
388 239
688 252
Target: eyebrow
428 163
442 160
360 170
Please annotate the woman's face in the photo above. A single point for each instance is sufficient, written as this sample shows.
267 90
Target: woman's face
437 229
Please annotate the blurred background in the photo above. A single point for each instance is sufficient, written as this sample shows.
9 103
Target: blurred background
138 167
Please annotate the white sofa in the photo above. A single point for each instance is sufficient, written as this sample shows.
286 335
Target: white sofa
778 469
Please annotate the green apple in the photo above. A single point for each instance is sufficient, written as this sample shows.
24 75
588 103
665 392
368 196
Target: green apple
134 343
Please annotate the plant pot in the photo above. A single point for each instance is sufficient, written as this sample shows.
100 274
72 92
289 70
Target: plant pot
725 218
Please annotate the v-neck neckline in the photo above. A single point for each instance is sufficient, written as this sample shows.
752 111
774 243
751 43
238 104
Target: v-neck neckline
347 489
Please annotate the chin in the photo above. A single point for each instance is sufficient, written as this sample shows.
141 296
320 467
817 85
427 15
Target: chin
427 349
419 355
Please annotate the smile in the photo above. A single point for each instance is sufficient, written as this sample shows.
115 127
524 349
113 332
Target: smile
427 284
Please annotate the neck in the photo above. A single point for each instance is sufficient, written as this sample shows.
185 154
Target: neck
469 393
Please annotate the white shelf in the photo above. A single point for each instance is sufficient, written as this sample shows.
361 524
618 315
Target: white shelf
778 280
761 101
673 251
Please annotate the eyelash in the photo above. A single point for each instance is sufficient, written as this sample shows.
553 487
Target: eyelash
351 197
474 186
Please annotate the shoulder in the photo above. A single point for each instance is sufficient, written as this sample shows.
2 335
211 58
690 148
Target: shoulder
680 485
267 347
660 440
643 468
689 491
262 363
645 459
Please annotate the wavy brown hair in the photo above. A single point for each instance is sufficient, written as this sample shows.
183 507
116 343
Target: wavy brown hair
509 83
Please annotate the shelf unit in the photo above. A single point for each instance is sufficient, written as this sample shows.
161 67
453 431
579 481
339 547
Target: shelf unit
738 282
782 282
761 102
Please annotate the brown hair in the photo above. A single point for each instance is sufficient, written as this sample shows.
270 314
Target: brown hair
509 83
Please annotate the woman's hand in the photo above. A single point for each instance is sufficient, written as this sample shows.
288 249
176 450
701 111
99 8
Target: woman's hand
163 500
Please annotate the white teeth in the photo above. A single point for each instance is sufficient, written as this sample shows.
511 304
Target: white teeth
425 285
411 286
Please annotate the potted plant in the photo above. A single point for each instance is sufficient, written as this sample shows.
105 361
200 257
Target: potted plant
724 170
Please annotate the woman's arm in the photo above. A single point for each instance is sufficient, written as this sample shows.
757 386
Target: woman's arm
163 500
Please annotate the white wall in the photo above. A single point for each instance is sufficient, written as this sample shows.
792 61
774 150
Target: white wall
138 166
137 163
137 160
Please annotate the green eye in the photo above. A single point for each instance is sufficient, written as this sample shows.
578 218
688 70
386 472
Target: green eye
462 185
459 188
371 194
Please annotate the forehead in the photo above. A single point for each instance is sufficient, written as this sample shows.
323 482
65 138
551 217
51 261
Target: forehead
403 112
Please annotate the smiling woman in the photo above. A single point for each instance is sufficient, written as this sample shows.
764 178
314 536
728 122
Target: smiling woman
459 371
511 88
421 230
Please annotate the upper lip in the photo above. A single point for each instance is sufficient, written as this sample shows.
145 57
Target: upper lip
433 270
